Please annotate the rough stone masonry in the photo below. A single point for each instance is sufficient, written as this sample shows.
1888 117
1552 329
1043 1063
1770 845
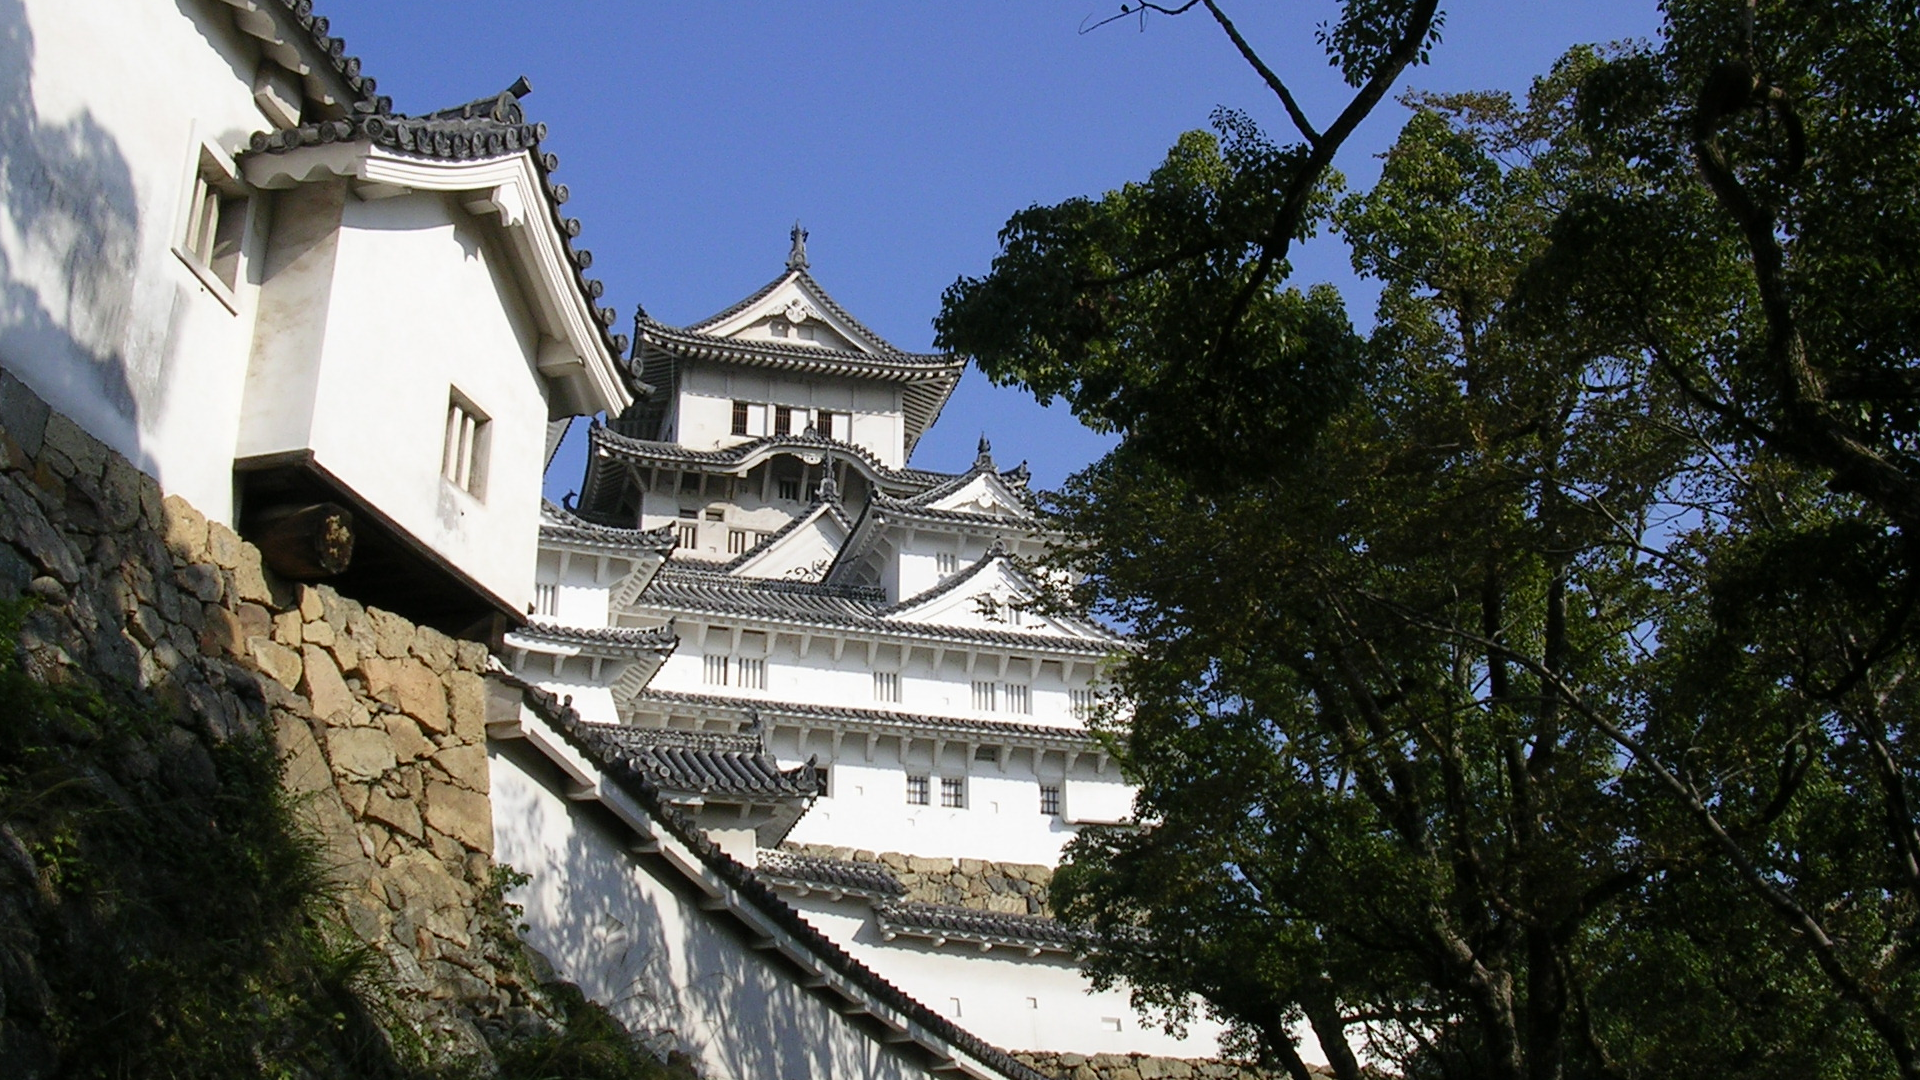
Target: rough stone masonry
381 723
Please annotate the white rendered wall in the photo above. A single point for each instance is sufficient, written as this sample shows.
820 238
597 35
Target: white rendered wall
104 106
420 306
1011 1000
704 413
641 947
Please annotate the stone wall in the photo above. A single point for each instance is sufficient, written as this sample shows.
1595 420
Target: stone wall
381 723
1008 888
1143 1067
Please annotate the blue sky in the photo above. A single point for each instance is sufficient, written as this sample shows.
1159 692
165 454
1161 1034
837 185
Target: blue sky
692 135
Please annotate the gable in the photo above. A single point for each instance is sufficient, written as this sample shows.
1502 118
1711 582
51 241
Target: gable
802 551
986 493
795 311
994 595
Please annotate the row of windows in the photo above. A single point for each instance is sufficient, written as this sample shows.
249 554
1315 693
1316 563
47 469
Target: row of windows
953 793
755 418
746 672
1002 697
739 541
987 696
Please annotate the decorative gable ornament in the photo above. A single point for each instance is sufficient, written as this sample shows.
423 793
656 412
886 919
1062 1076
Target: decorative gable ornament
797 312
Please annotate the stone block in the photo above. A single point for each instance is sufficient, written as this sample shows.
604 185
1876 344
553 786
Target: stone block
1175 1068
1084 1072
471 655
1151 1068
22 413
250 581
325 689
422 695
312 609
1005 905
922 865
186 530
1072 1060
408 743
303 769
467 705
429 896
86 453
466 765
28 529
202 581
319 632
432 647
344 649
399 814
464 815
392 635
223 546
120 494
360 753
287 629
282 663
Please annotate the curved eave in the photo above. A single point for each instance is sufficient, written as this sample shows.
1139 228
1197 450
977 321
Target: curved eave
575 351
741 459
878 721
610 644
1041 645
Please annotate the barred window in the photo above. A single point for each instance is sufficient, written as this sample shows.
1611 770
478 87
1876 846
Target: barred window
988 754
737 541
689 535
886 686
953 792
1019 698
946 562
739 418
917 791
463 456
789 490
751 673
1050 799
986 697
546 599
716 670
1080 703
782 420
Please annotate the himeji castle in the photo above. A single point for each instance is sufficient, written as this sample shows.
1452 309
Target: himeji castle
839 665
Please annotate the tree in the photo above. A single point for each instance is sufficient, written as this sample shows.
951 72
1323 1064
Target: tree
1539 663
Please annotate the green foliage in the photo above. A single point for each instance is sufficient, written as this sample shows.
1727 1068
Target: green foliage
1534 700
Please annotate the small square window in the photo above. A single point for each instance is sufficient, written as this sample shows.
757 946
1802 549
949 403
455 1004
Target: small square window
688 534
988 754
953 792
739 418
752 673
789 490
986 697
1050 799
917 791
778 328
463 456
546 599
737 541
946 562
782 420
1019 698
1080 703
716 514
216 222
886 686
715 670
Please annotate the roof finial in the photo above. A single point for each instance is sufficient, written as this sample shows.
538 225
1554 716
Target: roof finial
797 255
984 460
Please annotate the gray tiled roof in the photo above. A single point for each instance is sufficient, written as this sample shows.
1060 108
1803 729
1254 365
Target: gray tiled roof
562 526
812 872
682 589
759 894
942 922
331 50
607 640
705 763
916 724
627 446
488 127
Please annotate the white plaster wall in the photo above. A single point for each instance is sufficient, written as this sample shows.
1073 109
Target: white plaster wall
640 946
1011 1000
102 106
868 810
705 408
423 305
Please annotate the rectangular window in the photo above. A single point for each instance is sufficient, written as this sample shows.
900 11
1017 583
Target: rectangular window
886 686
716 670
546 599
716 514
988 754
778 328
689 514
751 673
833 425
216 223
737 541
789 490
1080 703
463 455
688 535
917 791
1019 698
1050 799
782 420
953 792
946 562
739 418
986 697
